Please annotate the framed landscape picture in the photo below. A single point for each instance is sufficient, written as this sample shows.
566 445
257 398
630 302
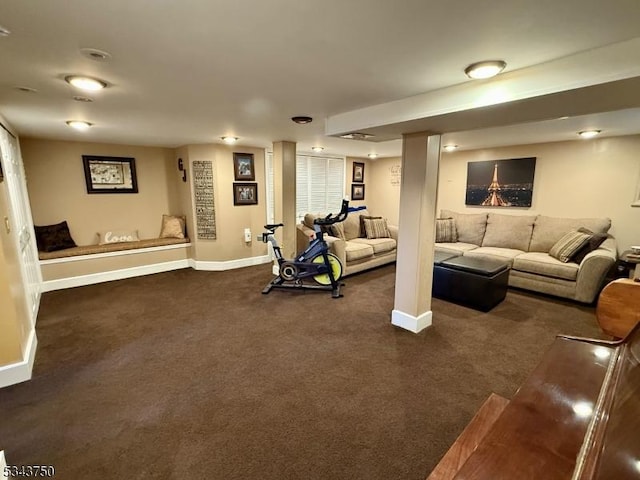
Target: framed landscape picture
110 174
243 167
501 183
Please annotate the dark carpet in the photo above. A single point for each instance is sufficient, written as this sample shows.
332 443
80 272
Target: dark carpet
192 374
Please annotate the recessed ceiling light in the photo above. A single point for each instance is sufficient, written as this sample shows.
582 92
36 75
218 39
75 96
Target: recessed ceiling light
356 136
95 54
79 124
80 98
4 32
563 118
449 148
229 140
589 133
373 155
27 89
302 119
485 69
85 83
317 149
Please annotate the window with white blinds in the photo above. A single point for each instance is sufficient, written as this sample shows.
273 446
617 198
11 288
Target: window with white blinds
319 185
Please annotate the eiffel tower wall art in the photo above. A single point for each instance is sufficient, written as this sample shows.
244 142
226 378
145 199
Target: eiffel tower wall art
501 183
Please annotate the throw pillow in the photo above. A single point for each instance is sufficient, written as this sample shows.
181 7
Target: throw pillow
117 236
337 230
51 238
595 241
569 245
446 230
376 228
173 226
363 234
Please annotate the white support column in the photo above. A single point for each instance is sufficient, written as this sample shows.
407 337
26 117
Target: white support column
284 194
416 237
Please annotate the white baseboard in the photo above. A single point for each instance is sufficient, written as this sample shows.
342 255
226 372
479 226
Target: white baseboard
20 371
3 463
229 264
411 323
92 278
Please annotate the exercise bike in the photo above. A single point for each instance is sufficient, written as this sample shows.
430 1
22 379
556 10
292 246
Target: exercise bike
314 263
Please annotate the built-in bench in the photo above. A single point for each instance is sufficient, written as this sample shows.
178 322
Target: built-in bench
89 264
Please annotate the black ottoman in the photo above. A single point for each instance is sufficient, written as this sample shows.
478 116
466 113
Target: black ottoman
475 282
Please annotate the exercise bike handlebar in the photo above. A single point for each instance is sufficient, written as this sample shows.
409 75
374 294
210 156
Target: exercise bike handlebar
330 219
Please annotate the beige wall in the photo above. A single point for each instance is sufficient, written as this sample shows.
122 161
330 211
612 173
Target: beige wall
231 220
594 178
57 188
384 190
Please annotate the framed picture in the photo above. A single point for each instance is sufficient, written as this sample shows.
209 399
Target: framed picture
245 193
110 174
501 183
357 191
243 168
358 172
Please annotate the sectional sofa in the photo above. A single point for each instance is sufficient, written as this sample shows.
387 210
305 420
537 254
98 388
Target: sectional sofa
524 241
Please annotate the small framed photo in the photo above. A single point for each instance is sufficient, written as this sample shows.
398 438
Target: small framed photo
358 172
110 174
243 168
245 193
357 191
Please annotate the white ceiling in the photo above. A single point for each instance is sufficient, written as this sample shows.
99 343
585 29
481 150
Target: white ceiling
192 71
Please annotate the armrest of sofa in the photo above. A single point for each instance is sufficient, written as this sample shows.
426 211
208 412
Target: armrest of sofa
393 230
338 247
593 270
304 235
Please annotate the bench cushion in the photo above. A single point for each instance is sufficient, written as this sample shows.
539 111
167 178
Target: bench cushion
110 247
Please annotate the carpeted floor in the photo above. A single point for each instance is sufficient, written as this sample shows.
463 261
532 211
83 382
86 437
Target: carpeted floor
197 375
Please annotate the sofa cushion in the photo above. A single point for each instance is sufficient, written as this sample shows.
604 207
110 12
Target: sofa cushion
457 248
352 224
548 230
544 264
569 245
173 226
380 245
470 226
508 231
308 219
505 254
357 251
446 230
594 242
376 228
337 230
363 233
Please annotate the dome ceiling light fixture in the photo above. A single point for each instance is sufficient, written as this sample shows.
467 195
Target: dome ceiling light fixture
317 149
85 83
79 124
449 148
229 139
373 156
4 32
589 133
485 69
302 119
95 54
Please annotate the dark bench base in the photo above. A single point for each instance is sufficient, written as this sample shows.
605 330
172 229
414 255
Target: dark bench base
476 283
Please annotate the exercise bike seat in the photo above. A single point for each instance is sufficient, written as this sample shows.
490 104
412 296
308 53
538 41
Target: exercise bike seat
273 226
